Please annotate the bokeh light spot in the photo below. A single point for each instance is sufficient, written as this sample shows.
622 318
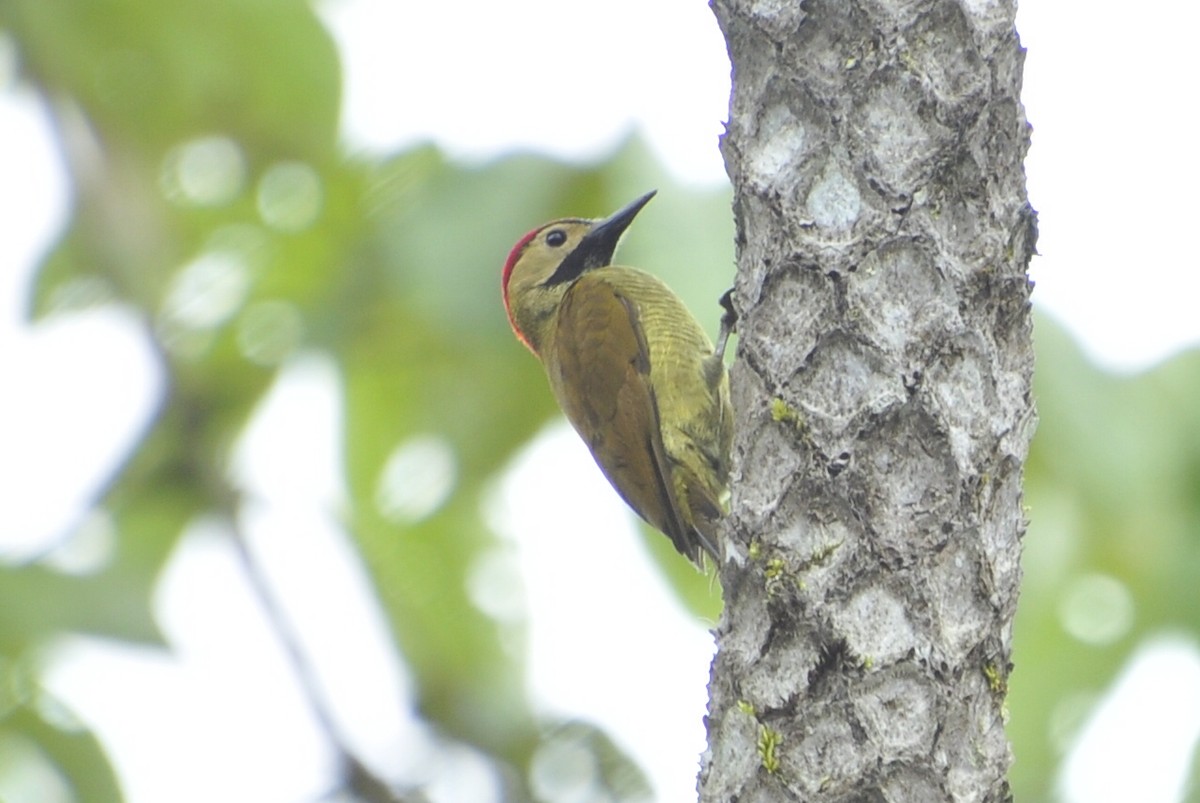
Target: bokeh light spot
495 586
563 770
269 331
207 291
81 293
289 196
416 479
251 243
1096 609
208 171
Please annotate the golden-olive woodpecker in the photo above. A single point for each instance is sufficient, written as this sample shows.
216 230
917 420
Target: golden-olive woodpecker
632 370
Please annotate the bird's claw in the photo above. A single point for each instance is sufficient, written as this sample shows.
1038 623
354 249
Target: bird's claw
728 321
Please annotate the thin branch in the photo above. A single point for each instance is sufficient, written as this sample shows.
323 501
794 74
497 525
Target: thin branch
355 777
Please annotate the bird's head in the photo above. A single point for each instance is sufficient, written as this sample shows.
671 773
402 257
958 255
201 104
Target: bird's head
546 261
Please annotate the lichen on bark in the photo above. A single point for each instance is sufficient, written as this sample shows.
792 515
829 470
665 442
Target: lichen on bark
883 393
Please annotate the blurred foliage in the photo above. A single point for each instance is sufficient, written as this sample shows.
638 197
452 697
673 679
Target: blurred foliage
1113 549
211 196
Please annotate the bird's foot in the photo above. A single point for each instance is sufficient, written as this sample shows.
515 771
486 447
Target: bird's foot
728 322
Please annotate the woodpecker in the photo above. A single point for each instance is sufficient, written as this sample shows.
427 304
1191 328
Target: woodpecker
633 371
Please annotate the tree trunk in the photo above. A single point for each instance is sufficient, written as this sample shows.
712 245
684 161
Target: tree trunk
882 389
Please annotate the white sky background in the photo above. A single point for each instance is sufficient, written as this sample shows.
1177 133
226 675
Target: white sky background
1112 171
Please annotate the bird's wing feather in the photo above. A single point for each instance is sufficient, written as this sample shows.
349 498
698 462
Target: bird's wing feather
606 361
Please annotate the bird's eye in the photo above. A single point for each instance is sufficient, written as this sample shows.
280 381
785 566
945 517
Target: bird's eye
556 238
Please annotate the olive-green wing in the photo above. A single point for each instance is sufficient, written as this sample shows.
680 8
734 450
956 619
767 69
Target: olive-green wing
607 395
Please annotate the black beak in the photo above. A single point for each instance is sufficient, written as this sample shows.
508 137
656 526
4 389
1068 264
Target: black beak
603 238
597 247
